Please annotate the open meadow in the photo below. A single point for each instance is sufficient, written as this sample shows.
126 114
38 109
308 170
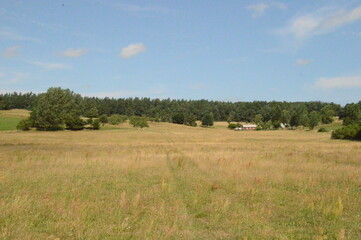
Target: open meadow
176 182
10 118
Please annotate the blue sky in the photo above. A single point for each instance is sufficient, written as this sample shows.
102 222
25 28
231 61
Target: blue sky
228 50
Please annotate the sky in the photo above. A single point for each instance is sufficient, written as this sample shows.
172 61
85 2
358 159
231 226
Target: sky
231 50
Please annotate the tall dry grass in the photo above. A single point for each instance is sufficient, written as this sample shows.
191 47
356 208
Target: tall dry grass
177 182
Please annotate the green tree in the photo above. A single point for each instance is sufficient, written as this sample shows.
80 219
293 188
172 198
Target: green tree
286 117
258 119
207 120
52 109
327 114
305 120
190 120
178 118
92 113
314 119
352 114
96 124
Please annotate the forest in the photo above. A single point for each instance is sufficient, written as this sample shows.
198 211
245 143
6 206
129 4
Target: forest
58 106
164 109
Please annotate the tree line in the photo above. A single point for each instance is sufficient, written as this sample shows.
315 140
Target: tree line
266 114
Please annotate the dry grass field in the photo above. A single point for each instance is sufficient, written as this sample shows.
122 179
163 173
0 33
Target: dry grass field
178 182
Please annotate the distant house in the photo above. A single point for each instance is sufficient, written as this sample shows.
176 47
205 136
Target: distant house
249 127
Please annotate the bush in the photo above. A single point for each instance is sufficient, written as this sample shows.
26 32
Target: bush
103 119
74 122
352 132
234 125
190 120
89 121
322 130
24 125
116 119
207 120
265 125
276 124
96 124
139 121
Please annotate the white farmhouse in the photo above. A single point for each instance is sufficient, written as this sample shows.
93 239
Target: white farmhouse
249 127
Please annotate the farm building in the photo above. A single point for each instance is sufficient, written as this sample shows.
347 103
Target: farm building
249 127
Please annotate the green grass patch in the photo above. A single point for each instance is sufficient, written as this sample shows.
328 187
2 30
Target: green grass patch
9 123
333 126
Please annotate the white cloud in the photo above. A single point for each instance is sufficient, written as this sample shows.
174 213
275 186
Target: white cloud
11 52
6 34
51 66
74 53
132 50
303 61
321 22
338 82
260 8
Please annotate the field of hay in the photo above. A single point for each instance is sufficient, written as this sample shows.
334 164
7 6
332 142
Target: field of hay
177 182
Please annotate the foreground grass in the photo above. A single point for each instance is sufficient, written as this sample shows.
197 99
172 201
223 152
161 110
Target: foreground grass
177 182
10 118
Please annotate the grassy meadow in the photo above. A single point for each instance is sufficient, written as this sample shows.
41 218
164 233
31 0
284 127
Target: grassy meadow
176 182
10 118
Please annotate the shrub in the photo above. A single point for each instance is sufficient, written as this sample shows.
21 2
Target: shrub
234 125
96 124
259 128
89 121
322 130
276 124
352 132
103 119
24 125
190 120
266 125
139 121
207 120
116 119
74 122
